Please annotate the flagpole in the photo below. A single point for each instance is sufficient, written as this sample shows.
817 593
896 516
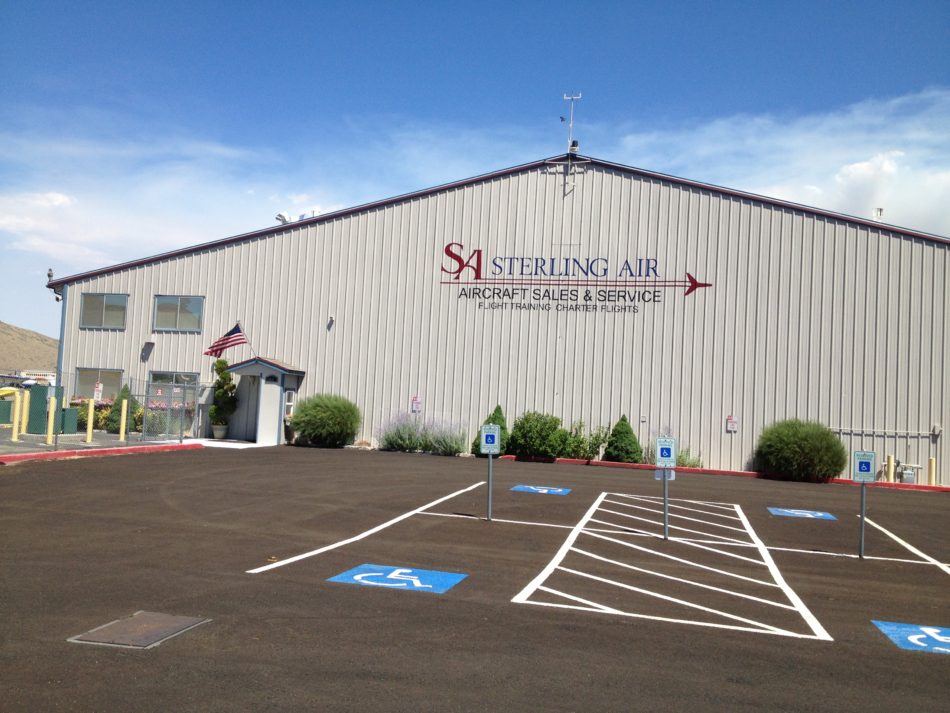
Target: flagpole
249 345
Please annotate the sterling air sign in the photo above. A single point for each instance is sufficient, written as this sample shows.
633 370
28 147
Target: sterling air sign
559 284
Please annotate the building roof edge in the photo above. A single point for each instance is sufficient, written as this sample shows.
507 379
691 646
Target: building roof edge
58 283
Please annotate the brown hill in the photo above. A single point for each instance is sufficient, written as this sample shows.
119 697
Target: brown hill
24 349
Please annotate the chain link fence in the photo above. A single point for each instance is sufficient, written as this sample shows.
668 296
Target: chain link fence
169 412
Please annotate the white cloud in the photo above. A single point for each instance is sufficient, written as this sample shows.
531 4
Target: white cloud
115 191
892 153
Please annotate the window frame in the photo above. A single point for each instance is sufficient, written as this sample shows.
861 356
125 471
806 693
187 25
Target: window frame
177 328
125 311
98 370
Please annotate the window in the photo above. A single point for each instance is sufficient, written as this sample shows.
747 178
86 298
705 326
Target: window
111 380
174 377
178 314
100 311
290 400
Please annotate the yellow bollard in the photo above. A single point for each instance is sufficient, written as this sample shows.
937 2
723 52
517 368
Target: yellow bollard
890 469
16 417
932 471
124 414
50 420
24 411
90 417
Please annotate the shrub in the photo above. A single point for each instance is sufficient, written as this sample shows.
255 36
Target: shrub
444 439
225 398
581 446
537 435
685 459
800 451
496 418
404 432
326 421
114 415
623 446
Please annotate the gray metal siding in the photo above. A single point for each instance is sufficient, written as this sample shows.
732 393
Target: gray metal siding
808 316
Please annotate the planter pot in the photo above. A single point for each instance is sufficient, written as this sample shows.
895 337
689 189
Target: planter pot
219 431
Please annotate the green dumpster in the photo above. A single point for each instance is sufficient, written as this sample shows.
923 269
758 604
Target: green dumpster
6 412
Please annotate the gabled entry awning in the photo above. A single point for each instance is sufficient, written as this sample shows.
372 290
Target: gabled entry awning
254 365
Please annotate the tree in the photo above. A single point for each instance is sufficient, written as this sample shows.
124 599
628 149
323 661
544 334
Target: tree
622 445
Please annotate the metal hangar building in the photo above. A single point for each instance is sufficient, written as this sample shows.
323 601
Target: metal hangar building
572 286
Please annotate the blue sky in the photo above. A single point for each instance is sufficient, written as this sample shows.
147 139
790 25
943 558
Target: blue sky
128 129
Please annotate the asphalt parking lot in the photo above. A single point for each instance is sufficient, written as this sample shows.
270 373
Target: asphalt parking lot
570 602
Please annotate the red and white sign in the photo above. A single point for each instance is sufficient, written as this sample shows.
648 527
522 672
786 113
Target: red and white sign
97 393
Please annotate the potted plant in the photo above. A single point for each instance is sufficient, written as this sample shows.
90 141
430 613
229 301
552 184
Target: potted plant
225 399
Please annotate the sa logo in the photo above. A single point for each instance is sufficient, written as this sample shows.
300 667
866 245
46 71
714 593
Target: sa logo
459 264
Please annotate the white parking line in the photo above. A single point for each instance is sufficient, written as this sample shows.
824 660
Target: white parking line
372 531
910 547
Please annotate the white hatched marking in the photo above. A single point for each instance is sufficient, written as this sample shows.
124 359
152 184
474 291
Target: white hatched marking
700 607
672 527
684 581
709 545
682 561
677 515
910 547
728 507
674 506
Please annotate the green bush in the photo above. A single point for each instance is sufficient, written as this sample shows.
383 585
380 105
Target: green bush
410 434
225 396
114 414
496 418
622 445
537 435
403 432
581 446
801 451
444 439
685 459
326 421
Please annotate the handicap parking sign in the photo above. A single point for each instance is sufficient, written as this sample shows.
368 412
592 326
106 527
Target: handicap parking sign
914 637
541 489
810 514
665 452
864 462
404 578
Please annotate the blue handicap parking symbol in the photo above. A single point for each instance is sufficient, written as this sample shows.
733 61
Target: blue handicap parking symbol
811 514
542 489
914 637
490 439
405 578
666 452
864 466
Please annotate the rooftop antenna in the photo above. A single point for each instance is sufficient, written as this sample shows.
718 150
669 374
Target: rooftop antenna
572 146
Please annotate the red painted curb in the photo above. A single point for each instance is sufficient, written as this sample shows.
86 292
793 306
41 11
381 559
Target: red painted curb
96 452
895 486
735 473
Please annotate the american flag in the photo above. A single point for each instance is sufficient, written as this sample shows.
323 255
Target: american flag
231 339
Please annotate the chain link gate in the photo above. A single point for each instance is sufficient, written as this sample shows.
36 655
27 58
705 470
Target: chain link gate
168 412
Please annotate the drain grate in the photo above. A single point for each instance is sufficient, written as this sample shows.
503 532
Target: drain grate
142 630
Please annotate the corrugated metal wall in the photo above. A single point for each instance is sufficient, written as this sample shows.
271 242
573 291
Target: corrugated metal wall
808 316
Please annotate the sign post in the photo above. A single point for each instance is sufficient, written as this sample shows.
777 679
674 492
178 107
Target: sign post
490 446
665 463
864 473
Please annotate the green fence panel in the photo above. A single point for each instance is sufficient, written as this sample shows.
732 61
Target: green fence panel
6 412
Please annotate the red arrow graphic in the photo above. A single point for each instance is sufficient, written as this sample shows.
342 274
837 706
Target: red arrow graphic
695 284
